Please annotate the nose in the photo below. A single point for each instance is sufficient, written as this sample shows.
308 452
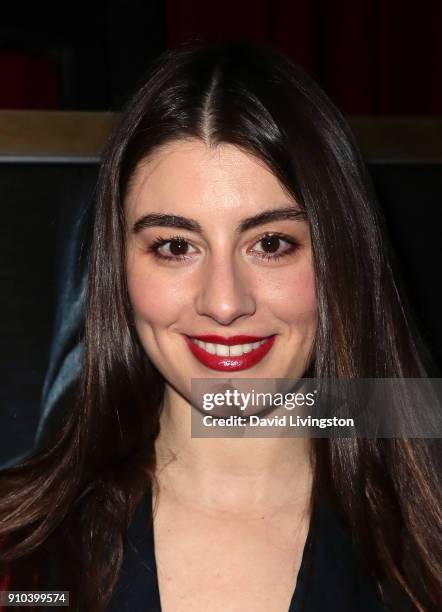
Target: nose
226 292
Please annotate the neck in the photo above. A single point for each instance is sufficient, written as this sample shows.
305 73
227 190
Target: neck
231 475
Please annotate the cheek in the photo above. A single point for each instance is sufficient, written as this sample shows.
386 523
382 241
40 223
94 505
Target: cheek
293 296
156 298
150 302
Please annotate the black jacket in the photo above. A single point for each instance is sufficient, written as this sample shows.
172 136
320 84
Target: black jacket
331 577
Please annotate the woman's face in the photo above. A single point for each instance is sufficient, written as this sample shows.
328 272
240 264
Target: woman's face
219 253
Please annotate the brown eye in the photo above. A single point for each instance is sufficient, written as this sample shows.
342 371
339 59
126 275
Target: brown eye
271 244
171 249
272 247
178 247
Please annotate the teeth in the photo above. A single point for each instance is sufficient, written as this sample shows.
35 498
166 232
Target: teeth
209 347
237 349
223 350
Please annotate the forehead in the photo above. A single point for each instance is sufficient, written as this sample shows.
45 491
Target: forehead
188 176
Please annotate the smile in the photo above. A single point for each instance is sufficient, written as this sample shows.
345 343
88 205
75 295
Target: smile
229 354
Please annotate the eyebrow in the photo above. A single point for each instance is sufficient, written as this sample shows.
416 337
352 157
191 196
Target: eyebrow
167 220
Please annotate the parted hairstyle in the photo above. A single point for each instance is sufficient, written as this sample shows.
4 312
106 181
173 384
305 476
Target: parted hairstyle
77 495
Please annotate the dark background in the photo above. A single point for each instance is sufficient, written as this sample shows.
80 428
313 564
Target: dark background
371 57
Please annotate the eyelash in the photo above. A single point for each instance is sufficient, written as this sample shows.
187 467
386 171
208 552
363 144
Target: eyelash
159 242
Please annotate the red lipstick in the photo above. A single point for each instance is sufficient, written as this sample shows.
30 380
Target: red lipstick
230 363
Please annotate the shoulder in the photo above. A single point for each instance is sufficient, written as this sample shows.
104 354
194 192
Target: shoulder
137 585
333 575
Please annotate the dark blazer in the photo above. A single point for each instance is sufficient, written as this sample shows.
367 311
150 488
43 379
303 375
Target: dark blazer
331 577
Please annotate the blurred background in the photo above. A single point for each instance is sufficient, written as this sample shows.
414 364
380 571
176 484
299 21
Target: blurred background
67 69
372 57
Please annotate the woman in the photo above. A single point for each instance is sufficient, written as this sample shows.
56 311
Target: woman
232 202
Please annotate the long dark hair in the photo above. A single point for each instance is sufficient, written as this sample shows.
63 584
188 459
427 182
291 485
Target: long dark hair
81 490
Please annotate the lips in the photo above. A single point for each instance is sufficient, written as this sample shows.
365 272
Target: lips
254 349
